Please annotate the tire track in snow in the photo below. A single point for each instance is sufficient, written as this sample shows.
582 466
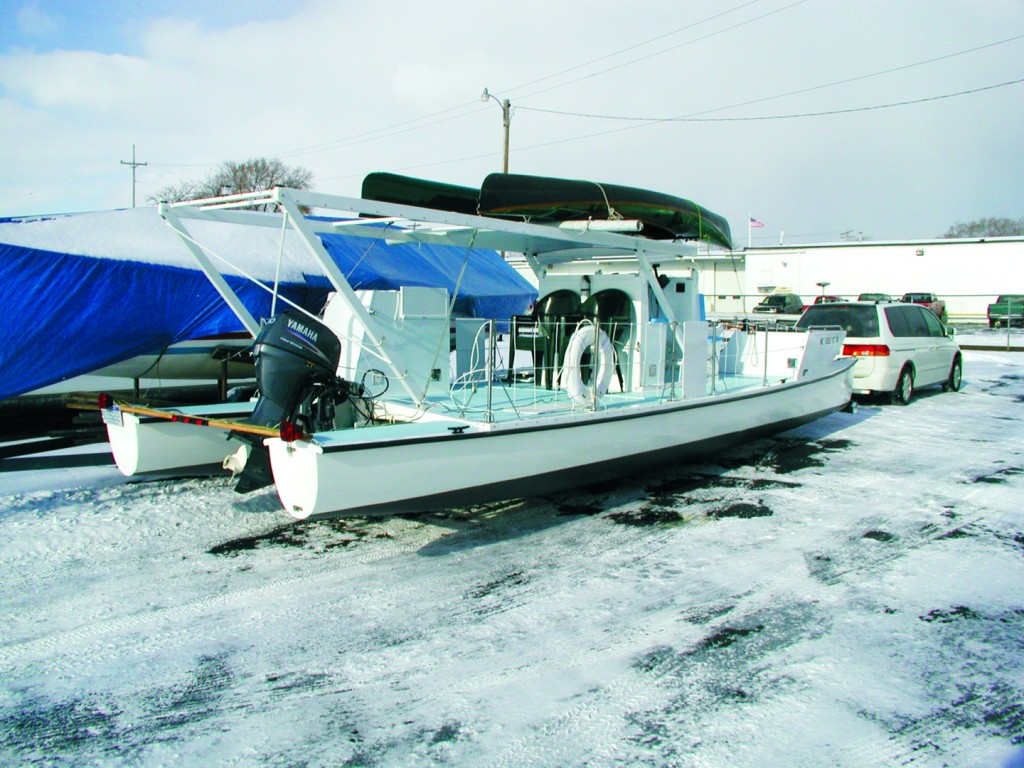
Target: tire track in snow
411 539
503 595
595 725
891 546
335 569
561 737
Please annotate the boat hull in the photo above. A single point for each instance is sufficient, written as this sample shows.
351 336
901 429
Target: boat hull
143 446
520 459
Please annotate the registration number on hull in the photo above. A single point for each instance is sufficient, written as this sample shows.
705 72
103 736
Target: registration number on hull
112 416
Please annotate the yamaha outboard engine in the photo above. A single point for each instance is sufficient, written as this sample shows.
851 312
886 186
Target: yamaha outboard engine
294 353
296 375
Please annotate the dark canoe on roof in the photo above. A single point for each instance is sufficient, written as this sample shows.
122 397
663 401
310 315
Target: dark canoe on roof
543 200
392 188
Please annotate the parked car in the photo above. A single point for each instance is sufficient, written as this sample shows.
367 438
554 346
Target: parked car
1008 309
874 297
780 304
930 300
899 347
823 300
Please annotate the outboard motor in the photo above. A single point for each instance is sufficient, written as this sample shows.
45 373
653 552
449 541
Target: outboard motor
294 354
296 375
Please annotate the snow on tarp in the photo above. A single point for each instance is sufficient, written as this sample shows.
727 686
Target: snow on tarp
84 291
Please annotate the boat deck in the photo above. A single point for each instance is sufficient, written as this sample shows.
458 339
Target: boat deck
466 409
517 400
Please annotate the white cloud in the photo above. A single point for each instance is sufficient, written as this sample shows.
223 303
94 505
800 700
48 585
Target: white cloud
334 78
77 80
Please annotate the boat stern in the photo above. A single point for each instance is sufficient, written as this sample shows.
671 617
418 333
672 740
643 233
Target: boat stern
142 446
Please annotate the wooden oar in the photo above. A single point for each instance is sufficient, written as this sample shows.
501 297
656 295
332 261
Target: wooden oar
199 421
105 401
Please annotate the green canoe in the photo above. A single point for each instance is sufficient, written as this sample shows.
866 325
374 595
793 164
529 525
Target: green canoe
541 199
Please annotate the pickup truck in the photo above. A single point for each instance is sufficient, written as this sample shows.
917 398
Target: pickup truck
1008 309
823 300
780 304
930 300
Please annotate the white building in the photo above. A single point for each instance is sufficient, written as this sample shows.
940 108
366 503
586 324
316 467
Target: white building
966 273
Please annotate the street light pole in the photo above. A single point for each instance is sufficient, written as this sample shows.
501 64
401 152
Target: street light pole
506 118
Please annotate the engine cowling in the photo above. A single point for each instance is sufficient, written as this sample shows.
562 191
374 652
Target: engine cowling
296 376
293 353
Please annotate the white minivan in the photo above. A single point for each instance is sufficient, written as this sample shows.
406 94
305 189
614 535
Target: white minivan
899 347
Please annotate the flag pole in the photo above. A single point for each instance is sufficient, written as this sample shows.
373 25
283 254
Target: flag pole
751 223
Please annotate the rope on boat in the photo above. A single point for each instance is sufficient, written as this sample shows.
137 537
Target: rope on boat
242 272
613 215
446 330
370 247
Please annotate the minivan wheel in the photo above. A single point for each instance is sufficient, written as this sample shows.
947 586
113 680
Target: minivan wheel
904 387
956 374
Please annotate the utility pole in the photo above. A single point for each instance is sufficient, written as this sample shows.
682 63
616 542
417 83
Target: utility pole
134 165
506 119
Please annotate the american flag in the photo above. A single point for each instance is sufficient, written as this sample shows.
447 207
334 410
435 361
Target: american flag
755 223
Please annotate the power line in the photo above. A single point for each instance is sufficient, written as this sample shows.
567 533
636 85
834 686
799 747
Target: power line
873 74
641 45
787 93
388 131
372 135
359 138
412 126
694 119
407 126
653 121
771 117
666 50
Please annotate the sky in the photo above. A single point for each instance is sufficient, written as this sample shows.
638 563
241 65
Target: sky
823 119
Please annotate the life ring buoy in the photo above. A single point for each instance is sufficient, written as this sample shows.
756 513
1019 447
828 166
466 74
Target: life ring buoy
571 378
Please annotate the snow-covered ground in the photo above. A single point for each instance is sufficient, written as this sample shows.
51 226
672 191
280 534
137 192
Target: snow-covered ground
847 594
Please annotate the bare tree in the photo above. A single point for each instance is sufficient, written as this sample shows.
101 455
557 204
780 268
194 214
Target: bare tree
230 178
173 193
991 227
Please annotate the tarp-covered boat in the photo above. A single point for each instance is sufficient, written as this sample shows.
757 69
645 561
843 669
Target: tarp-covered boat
85 291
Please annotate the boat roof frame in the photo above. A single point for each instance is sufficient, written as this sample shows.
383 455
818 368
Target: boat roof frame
542 245
550 244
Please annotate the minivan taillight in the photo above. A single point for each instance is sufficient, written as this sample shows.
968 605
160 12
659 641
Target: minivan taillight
865 350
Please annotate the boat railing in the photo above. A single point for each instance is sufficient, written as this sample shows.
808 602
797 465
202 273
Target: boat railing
591 365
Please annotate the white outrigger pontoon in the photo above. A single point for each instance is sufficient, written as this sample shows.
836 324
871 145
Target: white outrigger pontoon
378 406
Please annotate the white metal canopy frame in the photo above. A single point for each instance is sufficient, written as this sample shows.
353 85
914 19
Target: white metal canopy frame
542 245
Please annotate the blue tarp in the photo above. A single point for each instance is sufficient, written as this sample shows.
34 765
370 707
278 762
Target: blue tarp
490 288
72 309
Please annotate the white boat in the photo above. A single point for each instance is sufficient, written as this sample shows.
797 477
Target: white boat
370 409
